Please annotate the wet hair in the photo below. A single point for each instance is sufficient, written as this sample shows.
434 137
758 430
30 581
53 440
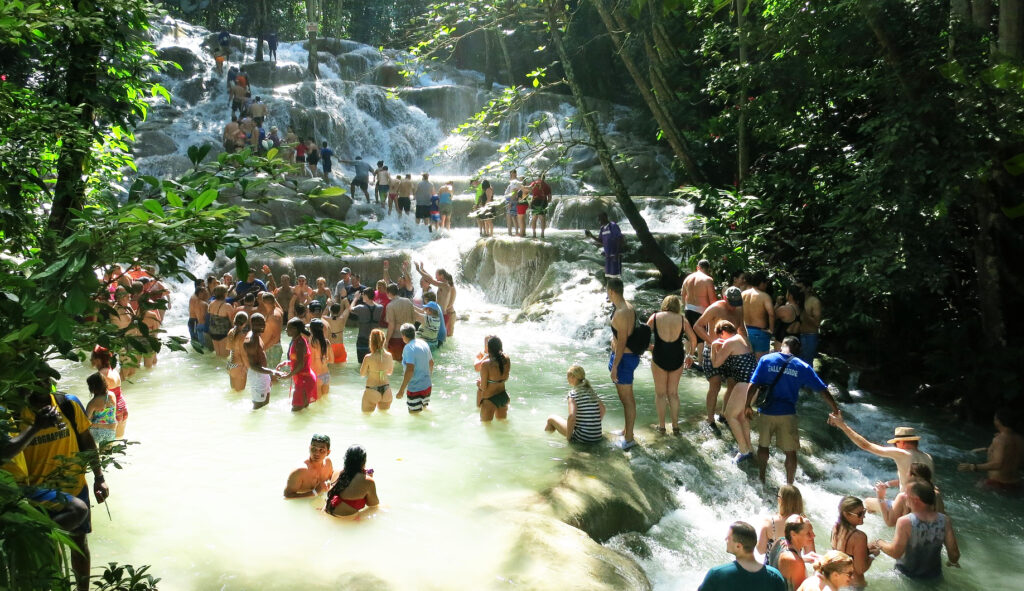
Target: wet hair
756 278
249 297
220 292
426 175
355 461
241 318
725 326
335 308
704 265
922 490
257 316
298 325
843 528
136 287
106 358
921 471
793 343
791 502
316 328
797 293
315 305
380 163
485 185
408 331
615 285
495 352
301 278
319 438
377 341
381 286
429 296
671 303
97 385
794 525
300 309
744 534
321 279
385 168
446 276
392 289
268 297
325 144
738 275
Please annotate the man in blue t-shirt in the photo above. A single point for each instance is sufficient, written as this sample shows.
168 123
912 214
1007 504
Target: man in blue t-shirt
325 160
361 178
250 284
745 572
778 414
419 364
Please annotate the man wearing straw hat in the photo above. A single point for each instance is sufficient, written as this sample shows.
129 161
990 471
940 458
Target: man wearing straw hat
904 452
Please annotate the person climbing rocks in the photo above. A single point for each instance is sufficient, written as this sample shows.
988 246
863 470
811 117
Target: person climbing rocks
383 183
361 178
258 110
325 161
731 309
424 191
230 133
237 97
272 46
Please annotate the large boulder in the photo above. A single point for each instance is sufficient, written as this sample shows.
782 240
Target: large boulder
451 104
352 65
578 213
387 74
153 143
272 75
334 46
184 57
507 269
194 90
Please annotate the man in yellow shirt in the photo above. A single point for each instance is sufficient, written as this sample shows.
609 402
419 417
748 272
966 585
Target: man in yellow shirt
67 437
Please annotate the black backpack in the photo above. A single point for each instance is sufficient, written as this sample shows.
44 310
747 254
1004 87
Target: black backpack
640 339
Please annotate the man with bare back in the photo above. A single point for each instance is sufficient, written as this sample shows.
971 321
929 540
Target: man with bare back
400 311
315 475
698 293
759 314
270 309
259 376
731 309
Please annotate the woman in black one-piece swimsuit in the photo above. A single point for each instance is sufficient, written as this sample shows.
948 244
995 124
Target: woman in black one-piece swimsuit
670 357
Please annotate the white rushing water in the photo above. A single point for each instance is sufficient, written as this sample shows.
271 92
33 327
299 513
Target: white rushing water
199 497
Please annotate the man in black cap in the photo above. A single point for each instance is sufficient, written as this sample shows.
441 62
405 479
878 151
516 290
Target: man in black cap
731 309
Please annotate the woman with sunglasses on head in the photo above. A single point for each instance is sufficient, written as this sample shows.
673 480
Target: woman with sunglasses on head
833 571
850 540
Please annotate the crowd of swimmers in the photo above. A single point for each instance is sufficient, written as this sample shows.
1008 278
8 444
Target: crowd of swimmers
762 350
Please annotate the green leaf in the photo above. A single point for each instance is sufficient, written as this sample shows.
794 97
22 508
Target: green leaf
205 199
154 206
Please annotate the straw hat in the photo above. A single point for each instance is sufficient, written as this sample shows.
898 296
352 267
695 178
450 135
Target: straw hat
905 434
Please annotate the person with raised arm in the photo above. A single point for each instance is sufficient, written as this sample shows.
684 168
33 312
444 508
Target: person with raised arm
920 536
1004 456
446 292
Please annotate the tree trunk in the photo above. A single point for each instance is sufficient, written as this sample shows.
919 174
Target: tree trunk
312 63
80 81
339 17
1011 29
669 271
668 127
981 14
213 16
742 129
261 25
509 78
488 59
661 86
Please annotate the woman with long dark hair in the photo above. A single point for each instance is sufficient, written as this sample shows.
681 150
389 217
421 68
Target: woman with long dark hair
303 378
237 372
847 538
354 489
491 396
787 315
321 354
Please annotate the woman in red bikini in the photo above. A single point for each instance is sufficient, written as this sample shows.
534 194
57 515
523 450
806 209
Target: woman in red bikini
303 378
103 361
354 488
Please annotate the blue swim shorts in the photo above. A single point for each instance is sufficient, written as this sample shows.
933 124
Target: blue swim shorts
627 366
760 339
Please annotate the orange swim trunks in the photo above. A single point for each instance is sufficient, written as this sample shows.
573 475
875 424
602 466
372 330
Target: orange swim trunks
340 355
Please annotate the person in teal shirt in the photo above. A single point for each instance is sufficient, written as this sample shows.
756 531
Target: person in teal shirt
745 572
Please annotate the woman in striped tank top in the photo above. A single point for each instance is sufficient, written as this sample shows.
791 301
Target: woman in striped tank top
585 411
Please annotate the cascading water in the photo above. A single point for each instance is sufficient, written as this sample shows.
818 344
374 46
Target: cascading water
200 497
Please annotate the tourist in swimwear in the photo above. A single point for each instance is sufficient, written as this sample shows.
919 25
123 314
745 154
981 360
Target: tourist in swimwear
789 560
198 308
221 314
260 378
920 536
101 410
1004 456
355 488
541 192
833 572
368 316
104 362
904 452
670 355
730 308
444 204
283 293
322 293
791 502
486 215
898 507
316 311
787 315
235 340
810 322
623 361
377 368
759 314
698 293
419 365
522 202
850 540
400 311
321 355
274 315
491 396
445 284
336 331
314 476
583 425
302 313
744 573
432 328
303 378
731 354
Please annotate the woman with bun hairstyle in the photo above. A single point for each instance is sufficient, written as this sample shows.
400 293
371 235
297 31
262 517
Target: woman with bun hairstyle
832 572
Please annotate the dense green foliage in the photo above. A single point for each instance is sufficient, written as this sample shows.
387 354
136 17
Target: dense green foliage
74 86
